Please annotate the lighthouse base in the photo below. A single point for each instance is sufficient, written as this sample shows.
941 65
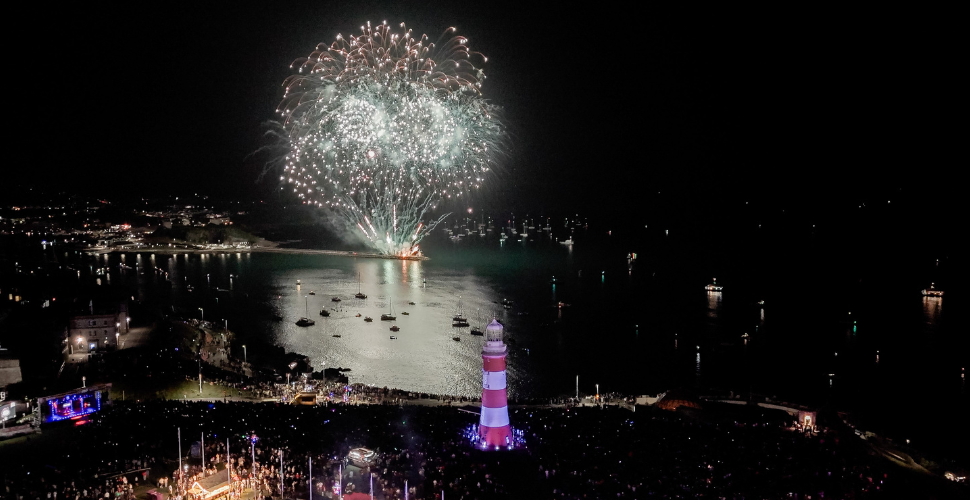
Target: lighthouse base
496 436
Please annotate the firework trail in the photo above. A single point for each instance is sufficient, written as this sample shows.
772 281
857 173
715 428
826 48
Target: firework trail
382 127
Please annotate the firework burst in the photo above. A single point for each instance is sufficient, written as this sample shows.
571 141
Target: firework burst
382 127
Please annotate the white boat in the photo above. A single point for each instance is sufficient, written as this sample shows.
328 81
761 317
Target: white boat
714 287
932 291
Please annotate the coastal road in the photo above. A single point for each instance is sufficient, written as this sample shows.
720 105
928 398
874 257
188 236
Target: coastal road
135 337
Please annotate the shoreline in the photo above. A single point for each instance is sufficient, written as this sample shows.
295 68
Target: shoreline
255 389
277 250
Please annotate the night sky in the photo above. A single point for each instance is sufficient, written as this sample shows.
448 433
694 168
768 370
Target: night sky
611 111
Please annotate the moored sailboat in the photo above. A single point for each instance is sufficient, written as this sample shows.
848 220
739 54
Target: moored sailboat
306 321
459 319
390 314
359 295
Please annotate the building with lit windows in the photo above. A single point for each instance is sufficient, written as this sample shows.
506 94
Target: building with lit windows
96 331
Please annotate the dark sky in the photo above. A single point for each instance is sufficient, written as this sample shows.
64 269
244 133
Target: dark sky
607 106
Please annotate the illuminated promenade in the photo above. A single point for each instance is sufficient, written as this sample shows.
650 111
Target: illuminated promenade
256 249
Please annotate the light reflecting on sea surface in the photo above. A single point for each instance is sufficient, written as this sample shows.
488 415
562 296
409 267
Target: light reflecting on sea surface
713 301
423 355
574 312
259 295
697 369
932 307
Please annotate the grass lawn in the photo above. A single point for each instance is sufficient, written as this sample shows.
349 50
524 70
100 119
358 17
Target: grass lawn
175 389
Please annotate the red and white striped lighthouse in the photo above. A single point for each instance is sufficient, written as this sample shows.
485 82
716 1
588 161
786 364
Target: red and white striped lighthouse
493 426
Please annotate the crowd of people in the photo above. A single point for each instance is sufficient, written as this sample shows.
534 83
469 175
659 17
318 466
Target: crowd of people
573 449
76 481
569 453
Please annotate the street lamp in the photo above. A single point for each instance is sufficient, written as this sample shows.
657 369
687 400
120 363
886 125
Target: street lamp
244 353
252 445
127 324
203 314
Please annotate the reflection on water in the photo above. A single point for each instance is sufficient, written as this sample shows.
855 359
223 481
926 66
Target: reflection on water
259 292
423 356
931 310
697 367
713 301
